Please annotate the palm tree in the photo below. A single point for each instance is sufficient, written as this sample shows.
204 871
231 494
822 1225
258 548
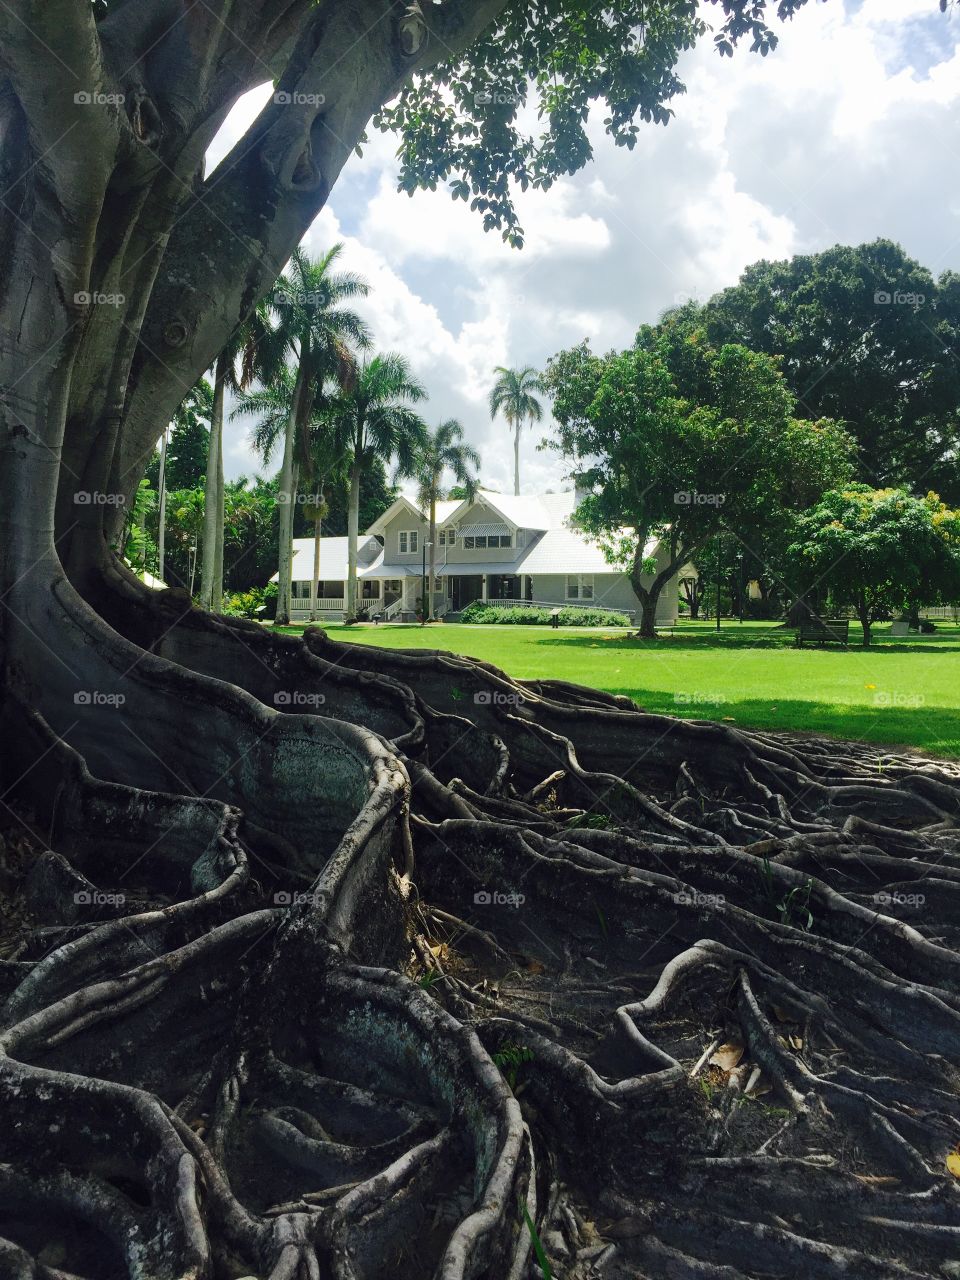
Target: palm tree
327 466
513 395
442 451
378 423
321 336
321 448
253 344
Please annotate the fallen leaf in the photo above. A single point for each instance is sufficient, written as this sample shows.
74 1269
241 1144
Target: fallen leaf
535 967
795 1042
781 1015
953 1163
727 1056
730 718
877 1179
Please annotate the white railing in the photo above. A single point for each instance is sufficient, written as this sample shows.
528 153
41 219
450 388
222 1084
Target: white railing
945 612
393 609
325 604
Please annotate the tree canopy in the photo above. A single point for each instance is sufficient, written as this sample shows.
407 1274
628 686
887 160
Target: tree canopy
879 550
866 335
681 448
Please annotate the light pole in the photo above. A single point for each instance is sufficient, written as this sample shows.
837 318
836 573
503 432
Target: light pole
423 588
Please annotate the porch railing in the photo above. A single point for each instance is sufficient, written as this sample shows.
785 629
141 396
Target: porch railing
326 604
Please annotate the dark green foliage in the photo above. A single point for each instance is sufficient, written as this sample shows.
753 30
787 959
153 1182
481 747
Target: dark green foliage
460 124
867 336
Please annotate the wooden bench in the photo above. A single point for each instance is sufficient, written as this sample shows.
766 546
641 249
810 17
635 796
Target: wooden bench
825 631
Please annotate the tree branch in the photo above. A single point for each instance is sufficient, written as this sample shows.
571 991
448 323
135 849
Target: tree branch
51 54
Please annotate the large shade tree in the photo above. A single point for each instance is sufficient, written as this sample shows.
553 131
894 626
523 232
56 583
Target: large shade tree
677 451
866 335
254 1038
879 550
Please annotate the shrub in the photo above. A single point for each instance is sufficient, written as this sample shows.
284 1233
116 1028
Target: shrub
480 612
258 602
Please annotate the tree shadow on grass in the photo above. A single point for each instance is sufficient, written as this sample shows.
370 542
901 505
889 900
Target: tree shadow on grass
929 729
733 640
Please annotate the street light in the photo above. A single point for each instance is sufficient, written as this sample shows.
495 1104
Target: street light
423 589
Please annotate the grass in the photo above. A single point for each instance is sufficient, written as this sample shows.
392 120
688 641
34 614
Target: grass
897 692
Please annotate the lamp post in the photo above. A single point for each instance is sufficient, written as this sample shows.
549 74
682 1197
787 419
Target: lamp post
423 588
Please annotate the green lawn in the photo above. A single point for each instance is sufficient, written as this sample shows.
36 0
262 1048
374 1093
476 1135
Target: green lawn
904 691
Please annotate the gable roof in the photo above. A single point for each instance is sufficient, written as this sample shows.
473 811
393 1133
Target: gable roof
565 550
403 504
523 512
333 558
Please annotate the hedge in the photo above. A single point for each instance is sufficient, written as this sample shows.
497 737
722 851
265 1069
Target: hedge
480 612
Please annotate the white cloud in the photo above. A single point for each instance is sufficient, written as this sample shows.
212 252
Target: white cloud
848 131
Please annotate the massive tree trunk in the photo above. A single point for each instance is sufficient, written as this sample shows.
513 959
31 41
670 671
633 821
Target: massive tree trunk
324 960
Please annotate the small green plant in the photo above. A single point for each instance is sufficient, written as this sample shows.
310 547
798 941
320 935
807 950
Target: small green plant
794 907
429 980
767 1107
510 1059
603 922
596 821
539 1252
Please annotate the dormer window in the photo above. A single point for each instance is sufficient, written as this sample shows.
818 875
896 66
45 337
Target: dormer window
409 541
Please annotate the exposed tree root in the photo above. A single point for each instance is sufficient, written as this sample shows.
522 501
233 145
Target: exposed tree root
459 968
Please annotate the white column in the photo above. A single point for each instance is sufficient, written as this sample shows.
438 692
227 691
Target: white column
484 587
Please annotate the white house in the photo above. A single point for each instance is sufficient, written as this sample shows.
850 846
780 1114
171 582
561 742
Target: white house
496 547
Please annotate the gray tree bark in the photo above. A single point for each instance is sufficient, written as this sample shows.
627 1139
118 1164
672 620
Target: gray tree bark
211 576
346 962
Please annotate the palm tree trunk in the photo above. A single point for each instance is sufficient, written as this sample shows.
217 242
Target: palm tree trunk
217 603
211 591
162 513
431 615
314 597
353 533
516 458
286 497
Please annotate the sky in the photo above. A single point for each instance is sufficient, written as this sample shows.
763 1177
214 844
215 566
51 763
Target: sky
848 131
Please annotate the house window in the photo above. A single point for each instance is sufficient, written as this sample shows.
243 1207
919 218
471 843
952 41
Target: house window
301 590
369 589
446 537
579 586
393 584
330 590
409 541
